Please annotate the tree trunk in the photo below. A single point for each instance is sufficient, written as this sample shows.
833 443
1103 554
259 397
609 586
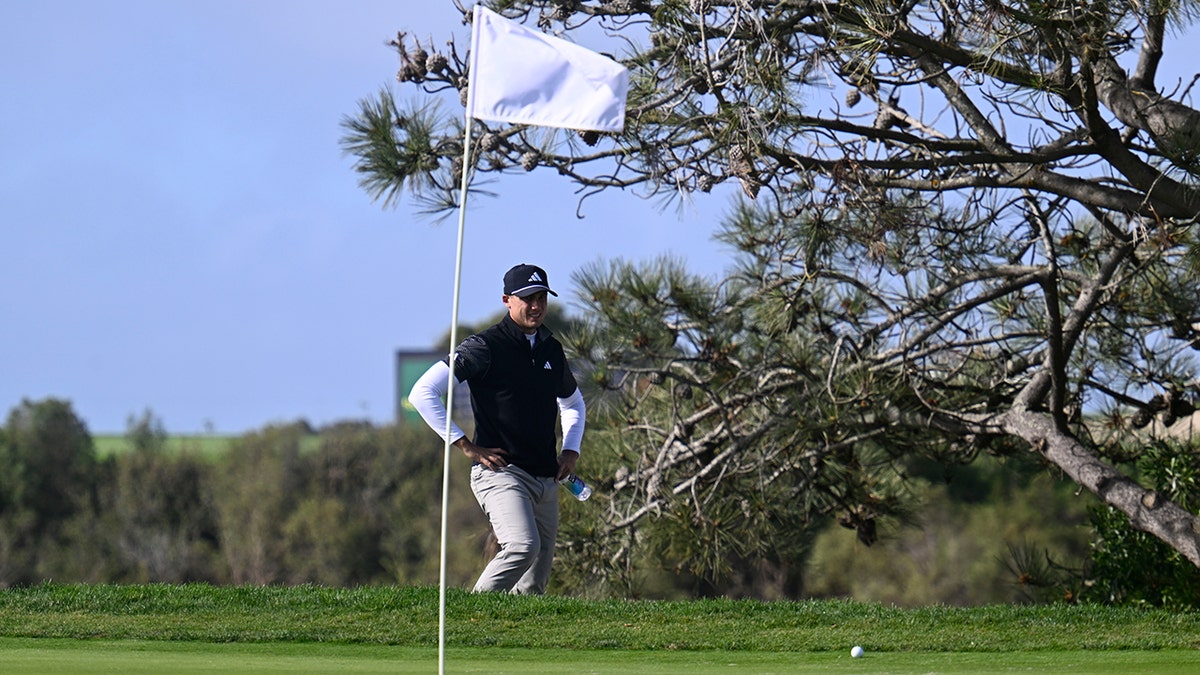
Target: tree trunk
1147 510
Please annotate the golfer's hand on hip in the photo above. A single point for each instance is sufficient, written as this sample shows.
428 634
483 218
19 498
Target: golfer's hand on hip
491 458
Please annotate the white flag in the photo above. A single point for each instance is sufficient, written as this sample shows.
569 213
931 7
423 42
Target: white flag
523 76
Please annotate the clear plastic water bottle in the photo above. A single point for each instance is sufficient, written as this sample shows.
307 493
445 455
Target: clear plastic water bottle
580 489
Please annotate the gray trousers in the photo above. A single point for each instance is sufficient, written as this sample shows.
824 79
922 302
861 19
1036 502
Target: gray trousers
523 510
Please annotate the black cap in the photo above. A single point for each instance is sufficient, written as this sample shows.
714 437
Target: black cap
524 280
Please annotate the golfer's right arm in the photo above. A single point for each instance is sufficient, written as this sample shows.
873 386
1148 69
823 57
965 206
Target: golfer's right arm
428 397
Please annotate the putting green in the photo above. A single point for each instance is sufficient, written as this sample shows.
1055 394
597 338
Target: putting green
53 656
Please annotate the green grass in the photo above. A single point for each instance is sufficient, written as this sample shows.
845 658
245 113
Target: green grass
132 658
207 446
203 445
406 616
314 629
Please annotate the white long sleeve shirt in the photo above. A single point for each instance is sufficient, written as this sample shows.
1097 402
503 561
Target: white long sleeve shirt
428 397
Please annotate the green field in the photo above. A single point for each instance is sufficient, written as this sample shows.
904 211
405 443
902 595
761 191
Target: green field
210 446
199 628
204 445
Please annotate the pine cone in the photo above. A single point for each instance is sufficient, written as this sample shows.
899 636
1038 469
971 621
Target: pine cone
489 142
563 12
853 96
739 165
706 183
1141 418
1181 407
590 137
436 63
891 115
529 160
417 61
750 187
866 532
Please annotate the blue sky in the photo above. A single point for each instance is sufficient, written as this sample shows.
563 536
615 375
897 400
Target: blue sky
180 232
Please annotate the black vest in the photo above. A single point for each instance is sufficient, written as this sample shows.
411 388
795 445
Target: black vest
514 392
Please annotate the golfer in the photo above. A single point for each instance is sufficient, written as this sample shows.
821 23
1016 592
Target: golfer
520 386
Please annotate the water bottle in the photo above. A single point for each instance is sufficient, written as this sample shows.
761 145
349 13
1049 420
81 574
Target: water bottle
577 487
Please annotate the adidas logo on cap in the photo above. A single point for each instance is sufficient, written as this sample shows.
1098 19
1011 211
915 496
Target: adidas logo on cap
525 279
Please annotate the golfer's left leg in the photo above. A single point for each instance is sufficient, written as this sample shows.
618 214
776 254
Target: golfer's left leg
545 514
508 497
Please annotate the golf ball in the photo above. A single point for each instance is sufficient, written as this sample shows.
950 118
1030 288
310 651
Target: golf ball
856 652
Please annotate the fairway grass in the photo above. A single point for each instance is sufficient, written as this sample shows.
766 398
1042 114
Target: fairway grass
206 446
198 628
133 657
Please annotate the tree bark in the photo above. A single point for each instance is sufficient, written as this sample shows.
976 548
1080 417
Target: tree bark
1173 126
1146 509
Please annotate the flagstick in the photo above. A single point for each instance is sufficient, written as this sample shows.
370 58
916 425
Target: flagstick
462 218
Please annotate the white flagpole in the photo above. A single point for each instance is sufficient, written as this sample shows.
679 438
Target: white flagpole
462 218
603 118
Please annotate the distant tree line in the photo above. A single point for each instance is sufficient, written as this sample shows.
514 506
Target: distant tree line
358 504
350 504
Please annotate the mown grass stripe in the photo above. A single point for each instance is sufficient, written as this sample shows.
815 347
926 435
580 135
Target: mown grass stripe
408 616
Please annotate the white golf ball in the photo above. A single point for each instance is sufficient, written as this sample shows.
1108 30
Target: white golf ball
856 652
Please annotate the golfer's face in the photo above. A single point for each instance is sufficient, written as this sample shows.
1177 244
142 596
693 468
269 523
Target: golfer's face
527 312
